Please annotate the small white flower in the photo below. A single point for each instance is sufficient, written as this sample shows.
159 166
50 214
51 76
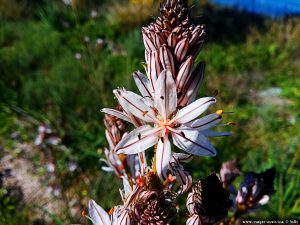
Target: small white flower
94 13
99 41
188 133
67 2
86 39
77 55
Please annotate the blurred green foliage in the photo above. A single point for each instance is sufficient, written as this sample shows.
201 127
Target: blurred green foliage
59 64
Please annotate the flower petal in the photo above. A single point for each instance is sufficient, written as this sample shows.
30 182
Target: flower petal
116 113
143 84
135 105
183 176
181 49
194 220
134 165
159 39
196 33
138 140
149 45
191 202
190 91
113 160
205 122
212 133
143 162
165 99
184 73
172 40
124 219
153 68
192 141
163 156
98 215
193 110
166 59
182 157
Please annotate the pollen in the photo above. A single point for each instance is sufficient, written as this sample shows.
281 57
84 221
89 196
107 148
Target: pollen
220 112
111 211
144 113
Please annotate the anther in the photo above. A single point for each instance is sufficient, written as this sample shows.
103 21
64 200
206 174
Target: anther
162 97
139 136
111 211
220 112
144 113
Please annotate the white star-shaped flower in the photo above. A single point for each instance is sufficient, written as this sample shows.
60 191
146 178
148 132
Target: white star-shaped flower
188 132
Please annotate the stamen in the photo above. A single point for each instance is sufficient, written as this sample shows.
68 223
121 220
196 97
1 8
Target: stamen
83 213
111 211
220 112
170 179
139 136
162 97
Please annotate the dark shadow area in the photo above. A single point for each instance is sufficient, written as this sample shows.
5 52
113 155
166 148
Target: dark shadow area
227 25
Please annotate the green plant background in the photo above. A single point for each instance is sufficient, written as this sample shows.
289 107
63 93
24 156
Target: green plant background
253 62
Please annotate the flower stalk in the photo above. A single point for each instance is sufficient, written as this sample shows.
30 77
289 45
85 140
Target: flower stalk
166 114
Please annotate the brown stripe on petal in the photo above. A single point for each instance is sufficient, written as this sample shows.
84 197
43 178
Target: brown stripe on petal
160 37
154 68
217 118
166 59
140 138
181 49
172 40
195 143
166 25
149 45
139 76
194 51
184 73
192 85
143 113
195 34
177 30
166 33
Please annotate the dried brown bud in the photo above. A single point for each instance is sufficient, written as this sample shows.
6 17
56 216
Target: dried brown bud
176 42
229 172
115 128
209 200
255 190
155 207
